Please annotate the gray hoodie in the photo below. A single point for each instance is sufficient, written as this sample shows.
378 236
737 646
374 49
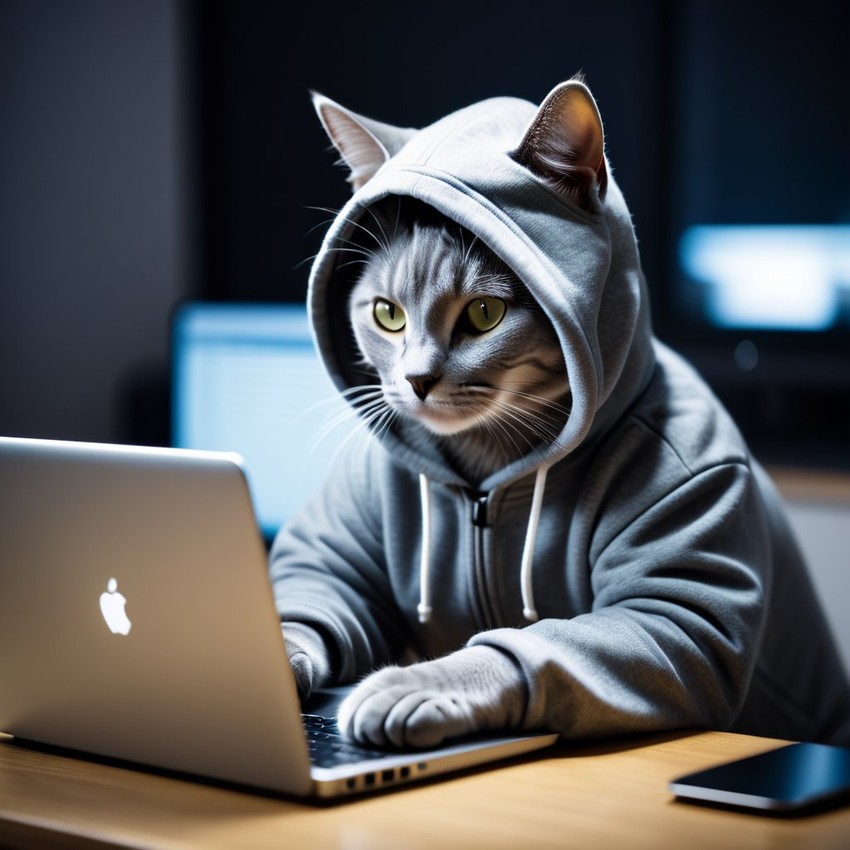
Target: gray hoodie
638 570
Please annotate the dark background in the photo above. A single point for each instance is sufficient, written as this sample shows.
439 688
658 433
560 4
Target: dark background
153 151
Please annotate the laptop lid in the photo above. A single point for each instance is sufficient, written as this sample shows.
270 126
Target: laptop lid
246 378
196 677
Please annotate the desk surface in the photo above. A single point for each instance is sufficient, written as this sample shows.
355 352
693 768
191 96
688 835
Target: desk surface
611 795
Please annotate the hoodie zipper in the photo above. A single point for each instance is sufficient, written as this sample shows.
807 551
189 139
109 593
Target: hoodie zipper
480 507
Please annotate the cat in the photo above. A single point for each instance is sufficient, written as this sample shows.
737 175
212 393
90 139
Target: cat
464 355
553 513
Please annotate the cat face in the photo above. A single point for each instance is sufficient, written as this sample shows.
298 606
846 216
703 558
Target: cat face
454 339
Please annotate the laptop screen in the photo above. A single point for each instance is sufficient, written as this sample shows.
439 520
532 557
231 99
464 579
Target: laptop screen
246 378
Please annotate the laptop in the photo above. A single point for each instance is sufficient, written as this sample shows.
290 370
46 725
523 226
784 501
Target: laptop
137 622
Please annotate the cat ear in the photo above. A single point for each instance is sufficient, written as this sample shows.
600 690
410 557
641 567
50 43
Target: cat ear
565 144
365 144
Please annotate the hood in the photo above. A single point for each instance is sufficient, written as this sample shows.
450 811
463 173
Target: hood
532 183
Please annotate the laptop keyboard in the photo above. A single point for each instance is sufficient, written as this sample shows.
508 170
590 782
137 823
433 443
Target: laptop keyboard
328 748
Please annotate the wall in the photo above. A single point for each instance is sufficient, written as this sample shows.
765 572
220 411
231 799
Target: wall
823 531
92 231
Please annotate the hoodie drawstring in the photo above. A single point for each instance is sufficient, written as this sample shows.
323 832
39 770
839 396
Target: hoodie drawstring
424 607
529 610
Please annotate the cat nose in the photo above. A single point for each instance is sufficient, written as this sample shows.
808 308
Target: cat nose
422 384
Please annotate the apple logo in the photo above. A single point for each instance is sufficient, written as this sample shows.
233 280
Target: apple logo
112 607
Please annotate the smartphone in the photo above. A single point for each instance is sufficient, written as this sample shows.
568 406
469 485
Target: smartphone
792 778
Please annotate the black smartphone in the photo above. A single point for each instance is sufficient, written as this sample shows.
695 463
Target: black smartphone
792 778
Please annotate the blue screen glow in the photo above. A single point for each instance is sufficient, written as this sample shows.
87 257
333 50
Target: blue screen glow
785 277
247 379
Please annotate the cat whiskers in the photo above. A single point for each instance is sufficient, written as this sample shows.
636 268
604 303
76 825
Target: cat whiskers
382 243
467 249
504 435
372 410
367 412
522 424
552 408
542 415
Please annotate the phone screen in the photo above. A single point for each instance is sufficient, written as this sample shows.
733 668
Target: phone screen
789 778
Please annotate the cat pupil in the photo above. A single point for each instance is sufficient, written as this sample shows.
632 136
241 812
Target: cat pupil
389 316
486 313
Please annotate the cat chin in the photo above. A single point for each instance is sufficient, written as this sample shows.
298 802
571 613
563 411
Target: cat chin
446 425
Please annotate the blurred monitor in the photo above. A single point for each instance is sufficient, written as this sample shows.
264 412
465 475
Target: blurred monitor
757 288
763 311
246 378
769 277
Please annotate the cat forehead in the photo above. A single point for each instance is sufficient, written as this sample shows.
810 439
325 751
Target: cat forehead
428 261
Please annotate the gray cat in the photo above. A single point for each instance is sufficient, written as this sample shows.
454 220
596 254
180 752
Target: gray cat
554 514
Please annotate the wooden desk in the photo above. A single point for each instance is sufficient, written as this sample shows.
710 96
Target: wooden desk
609 796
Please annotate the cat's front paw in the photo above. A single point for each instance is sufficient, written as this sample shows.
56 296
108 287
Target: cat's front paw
302 670
307 657
423 705
398 706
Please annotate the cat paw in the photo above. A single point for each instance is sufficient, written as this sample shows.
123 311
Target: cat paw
302 670
425 704
307 657
398 706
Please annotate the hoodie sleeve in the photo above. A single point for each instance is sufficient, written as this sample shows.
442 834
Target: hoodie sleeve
328 572
675 623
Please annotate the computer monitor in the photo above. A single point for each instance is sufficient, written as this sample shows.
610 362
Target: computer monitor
768 277
247 378
757 285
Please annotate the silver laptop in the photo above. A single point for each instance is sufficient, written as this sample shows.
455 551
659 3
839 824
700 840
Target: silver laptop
137 622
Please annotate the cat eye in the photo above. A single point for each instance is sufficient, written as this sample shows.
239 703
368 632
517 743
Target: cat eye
389 316
485 313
